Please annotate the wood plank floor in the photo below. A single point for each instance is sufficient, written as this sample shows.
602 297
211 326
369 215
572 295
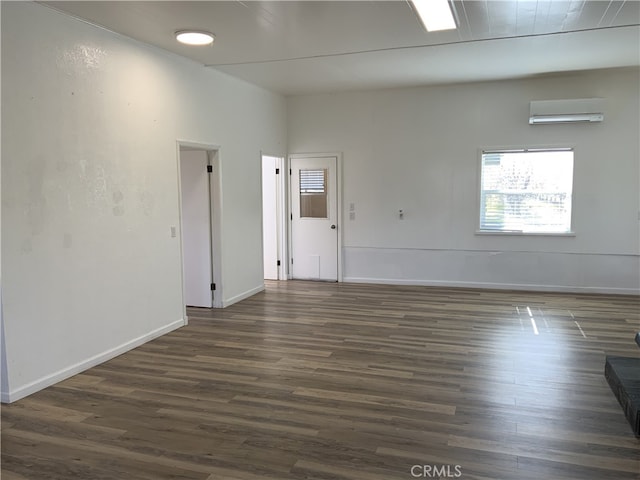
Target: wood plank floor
341 381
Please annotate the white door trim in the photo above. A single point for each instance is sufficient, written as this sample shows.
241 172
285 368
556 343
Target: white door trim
340 223
216 210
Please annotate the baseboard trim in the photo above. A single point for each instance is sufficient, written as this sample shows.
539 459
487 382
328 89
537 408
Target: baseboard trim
242 296
496 286
47 381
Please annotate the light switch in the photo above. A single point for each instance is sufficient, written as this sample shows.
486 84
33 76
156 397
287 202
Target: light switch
173 232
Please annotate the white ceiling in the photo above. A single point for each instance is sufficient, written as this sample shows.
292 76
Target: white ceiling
298 47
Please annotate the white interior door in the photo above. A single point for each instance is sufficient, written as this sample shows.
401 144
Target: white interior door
314 224
269 217
196 228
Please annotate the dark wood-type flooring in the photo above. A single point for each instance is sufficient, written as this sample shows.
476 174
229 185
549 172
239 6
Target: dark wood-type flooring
341 381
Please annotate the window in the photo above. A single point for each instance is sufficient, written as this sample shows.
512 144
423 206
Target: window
313 193
526 191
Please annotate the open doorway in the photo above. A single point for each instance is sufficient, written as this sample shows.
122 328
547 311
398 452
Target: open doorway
199 187
273 218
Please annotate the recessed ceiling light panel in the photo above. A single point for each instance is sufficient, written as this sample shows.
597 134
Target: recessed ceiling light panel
435 15
194 37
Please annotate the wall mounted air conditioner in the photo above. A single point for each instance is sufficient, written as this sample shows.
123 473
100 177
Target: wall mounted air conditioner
577 110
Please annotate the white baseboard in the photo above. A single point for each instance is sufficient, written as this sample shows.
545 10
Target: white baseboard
47 381
242 296
496 286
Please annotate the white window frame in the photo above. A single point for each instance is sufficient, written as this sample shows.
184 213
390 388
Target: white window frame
481 151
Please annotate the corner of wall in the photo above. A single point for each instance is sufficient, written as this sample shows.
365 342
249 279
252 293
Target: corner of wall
8 396
237 298
4 374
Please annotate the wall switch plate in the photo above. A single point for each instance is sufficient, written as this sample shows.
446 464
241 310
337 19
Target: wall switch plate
173 232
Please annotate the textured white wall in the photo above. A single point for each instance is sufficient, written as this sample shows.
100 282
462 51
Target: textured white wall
90 122
417 150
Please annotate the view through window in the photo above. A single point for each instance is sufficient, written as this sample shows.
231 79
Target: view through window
313 193
527 191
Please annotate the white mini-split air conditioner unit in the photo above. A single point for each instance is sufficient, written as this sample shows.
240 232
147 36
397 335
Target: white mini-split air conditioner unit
577 110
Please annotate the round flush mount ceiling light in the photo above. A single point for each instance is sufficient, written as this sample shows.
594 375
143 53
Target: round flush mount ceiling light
194 37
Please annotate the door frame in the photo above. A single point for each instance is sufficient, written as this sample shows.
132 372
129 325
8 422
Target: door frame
340 223
281 214
215 212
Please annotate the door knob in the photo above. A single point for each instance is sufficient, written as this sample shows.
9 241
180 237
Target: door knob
333 227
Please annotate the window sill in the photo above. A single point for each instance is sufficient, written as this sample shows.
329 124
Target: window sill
516 233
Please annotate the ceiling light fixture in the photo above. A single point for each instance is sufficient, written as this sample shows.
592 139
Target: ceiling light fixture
194 37
435 15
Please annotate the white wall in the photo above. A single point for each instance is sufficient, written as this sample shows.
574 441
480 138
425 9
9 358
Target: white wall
90 122
417 150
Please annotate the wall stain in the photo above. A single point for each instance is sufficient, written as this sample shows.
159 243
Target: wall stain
36 209
147 201
26 246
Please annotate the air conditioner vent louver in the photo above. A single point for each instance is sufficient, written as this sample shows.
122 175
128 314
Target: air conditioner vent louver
578 110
